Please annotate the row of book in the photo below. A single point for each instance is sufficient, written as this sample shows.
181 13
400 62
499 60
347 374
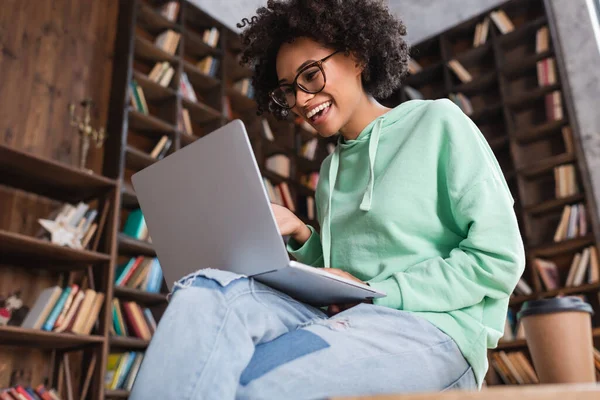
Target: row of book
279 164
211 37
168 41
565 179
20 392
513 367
162 147
546 72
584 268
143 273
186 88
122 369
462 102
573 223
162 73
244 86
79 220
71 309
481 32
137 99
169 10
280 194
209 65
130 320
553 104
135 226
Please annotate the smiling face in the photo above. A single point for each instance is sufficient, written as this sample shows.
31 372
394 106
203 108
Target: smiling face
329 110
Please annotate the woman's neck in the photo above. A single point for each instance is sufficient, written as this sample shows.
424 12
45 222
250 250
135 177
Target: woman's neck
369 110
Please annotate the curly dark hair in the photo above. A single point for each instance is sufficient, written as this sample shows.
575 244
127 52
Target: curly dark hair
364 28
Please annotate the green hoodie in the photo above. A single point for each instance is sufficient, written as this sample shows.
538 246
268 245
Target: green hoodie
417 206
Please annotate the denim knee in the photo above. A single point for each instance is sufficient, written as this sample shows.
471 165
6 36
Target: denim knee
207 278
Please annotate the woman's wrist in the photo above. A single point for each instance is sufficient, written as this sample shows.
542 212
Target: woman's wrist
302 234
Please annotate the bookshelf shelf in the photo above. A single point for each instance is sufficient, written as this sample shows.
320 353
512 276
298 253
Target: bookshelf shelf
484 114
553 204
137 159
195 46
534 95
540 132
125 342
149 124
152 19
128 197
116 394
131 246
152 90
235 71
49 178
146 50
543 166
477 84
424 75
198 79
201 112
522 32
17 336
239 102
27 249
589 287
516 69
139 296
558 248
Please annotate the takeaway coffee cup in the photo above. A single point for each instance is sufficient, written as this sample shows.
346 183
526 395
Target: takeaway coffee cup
559 338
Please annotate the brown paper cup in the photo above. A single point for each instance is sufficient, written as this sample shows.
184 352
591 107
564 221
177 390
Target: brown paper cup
559 338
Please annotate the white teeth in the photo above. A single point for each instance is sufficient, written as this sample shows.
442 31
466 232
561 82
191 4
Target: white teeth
315 110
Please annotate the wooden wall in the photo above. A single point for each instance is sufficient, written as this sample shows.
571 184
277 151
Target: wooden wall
52 52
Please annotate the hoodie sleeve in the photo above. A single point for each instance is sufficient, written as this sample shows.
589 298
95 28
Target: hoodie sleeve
487 263
311 252
490 258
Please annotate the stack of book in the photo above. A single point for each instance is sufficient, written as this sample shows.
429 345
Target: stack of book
122 369
168 41
553 103
129 319
169 10
513 368
584 268
481 32
573 223
309 149
502 21
209 65
143 273
310 181
211 37
162 73
279 194
460 71
72 309
244 86
162 147
135 226
186 88
279 164
463 102
565 181
20 392
184 122
79 219
137 98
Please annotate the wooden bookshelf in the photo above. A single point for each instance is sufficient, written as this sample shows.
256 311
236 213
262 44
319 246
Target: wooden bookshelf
17 336
509 108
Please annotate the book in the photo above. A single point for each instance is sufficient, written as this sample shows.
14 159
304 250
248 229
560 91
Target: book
594 265
73 309
542 40
168 41
502 21
460 71
582 267
92 317
187 121
60 303
548 272
561 230
279 164
42 307
139 357
159 146
170 10
135 225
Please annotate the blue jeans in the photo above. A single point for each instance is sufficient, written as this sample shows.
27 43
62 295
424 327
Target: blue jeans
224 336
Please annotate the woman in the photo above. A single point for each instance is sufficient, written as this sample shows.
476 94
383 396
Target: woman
412 201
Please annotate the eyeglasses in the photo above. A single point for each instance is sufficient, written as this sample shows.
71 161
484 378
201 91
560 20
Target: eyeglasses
310 79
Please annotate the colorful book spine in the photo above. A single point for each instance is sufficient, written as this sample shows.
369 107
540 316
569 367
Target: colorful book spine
49 324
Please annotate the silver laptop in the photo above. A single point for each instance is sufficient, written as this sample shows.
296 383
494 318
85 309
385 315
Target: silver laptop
206 207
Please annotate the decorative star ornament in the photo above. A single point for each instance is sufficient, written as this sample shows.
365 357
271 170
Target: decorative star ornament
62 233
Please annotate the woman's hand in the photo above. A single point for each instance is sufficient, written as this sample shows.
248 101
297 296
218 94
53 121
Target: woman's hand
338 308
290 224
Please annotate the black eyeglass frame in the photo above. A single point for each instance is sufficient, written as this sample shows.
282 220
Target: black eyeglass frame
319 64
